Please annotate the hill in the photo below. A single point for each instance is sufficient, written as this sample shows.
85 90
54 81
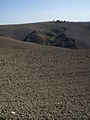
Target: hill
43 82
76 35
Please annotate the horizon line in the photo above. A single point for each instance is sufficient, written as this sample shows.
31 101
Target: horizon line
22 23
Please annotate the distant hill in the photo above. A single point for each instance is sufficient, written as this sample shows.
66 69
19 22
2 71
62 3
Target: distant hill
75 35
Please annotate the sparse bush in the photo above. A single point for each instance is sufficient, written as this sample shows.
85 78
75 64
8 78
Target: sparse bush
51 39
64 41
54 38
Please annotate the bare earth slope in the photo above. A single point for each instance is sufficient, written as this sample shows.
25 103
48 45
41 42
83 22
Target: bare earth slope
43 83
79 31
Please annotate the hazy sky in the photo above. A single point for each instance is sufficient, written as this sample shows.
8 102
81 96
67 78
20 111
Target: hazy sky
21 11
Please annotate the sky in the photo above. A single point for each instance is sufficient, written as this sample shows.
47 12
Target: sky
29 11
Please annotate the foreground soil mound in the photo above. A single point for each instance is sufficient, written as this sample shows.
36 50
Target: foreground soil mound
43 83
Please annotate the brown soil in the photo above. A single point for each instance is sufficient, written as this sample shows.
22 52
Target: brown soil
43 82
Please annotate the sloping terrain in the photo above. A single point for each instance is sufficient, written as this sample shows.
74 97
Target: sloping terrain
43 83
77 32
